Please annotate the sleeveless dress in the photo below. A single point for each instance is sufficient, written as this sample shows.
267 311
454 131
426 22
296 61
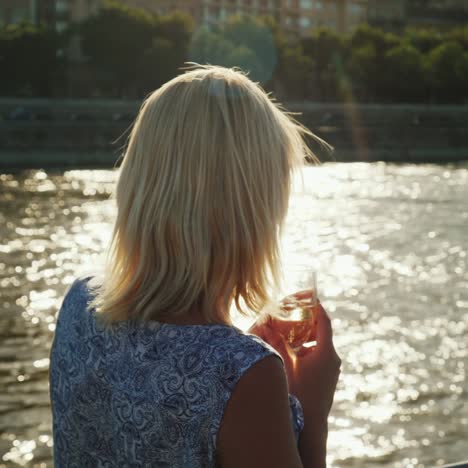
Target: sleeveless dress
144 394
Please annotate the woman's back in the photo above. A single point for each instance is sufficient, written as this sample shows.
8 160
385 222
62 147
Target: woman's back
144 393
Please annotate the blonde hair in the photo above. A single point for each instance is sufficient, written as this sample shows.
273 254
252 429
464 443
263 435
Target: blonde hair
201 198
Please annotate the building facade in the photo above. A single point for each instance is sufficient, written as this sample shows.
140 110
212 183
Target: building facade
340 15
397 14
30 11
56 13
73 11
294 16
437 13
387 13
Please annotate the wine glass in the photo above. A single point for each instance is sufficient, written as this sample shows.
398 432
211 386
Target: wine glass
294 305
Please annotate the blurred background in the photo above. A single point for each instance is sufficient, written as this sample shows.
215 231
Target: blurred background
383 220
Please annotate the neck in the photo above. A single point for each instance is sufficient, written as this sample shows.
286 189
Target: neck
195 317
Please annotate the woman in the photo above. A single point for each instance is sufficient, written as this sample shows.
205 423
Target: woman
146 366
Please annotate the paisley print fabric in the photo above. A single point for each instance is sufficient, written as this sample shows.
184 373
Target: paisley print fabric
143 394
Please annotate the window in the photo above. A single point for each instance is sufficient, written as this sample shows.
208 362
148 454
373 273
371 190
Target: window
306 4
61 6
19 14
93 6
304 23
60 26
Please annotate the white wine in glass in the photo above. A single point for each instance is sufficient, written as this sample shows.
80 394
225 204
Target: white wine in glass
294 315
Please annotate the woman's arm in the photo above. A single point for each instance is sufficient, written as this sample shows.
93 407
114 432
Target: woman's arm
312 376
256 430
313 442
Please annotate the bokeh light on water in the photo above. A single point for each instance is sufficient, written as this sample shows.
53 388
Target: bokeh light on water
390 247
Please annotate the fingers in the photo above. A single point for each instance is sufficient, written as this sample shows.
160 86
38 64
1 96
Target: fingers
272 337
324 327
324 339
260 327
302 297
304 351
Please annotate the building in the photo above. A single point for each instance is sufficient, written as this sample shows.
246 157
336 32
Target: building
30 11
437 13
340 15
397 14
17 11
294 16
387 13
73 11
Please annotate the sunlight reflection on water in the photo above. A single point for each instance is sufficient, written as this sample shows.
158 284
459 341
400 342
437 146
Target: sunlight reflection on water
389 244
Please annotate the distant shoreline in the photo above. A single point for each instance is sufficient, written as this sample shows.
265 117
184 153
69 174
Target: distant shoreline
91 133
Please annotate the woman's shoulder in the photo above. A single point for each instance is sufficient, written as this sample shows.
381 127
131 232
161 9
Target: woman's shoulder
228 342
233 352
245 343
78 289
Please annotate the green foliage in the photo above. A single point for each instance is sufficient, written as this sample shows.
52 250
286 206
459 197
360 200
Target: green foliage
328 51
242 41
424 40
297 73
129 52
115 41
133 52
177 27
447 69
405 77
459 35
28 60
366 35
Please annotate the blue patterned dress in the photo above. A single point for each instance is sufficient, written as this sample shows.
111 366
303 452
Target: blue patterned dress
143 394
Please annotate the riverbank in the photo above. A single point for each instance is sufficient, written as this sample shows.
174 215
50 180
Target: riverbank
92 133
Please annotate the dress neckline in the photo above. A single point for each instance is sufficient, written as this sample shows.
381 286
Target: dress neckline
196 326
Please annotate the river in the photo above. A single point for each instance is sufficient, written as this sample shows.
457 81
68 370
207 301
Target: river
390 245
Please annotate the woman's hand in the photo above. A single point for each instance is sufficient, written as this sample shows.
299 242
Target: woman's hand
313 371
264 328
317 369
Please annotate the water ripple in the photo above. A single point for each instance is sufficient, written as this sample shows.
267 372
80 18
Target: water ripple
390 247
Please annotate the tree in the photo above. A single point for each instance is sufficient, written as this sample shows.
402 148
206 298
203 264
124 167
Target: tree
366 35
447 69
405 77
209 46
328 51
365 71
115 42
368 65
253 34
424 39
177 27
459 35
159 64
28 60
297 74
166 53
241 41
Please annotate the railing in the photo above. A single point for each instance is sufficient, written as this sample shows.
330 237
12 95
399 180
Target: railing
463 464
